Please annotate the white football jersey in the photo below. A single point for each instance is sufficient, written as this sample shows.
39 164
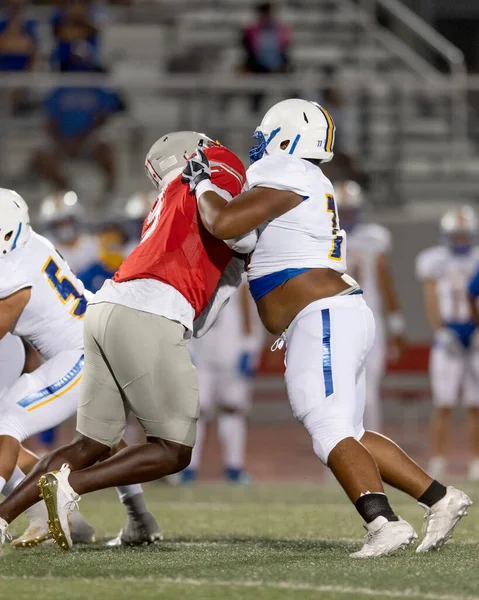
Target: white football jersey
80 256
52 319
453 273
308 236
366 243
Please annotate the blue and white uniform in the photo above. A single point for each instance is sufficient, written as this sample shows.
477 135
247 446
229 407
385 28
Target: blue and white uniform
52 322
328 342
12 361
367 242
454 359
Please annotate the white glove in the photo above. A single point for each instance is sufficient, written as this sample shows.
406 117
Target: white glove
447 339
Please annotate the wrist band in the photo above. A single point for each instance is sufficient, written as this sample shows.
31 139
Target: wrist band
203 186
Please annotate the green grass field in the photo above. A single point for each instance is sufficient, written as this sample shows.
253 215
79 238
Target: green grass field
265 542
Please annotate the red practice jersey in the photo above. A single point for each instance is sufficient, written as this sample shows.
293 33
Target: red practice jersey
175 247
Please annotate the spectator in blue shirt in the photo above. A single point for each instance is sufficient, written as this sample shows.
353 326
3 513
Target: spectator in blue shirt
74 26
75 117
18 38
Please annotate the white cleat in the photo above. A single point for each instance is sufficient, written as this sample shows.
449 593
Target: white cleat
60 499
4 535
441 519
385 537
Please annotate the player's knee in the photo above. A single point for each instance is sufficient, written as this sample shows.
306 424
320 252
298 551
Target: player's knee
233 410
328 433
171 456
12 427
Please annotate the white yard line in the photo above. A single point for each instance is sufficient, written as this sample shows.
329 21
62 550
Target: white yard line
299 587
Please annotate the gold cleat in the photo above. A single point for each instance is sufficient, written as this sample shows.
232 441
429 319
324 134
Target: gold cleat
33 536
48 485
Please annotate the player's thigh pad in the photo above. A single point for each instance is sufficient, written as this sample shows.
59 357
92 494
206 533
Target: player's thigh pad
102 408
44 398
149 359
446 374
327 347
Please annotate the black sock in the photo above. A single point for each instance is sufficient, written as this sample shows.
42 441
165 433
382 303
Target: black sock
435 492
371 506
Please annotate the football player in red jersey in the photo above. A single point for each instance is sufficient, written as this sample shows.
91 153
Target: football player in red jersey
135 335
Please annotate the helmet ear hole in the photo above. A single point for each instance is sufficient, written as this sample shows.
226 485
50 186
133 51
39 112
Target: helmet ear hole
284 144
8 236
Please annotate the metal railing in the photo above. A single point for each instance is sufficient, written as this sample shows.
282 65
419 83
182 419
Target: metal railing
428 36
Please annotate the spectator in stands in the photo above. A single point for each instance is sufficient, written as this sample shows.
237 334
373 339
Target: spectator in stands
76 117
18 38
266 43
75 28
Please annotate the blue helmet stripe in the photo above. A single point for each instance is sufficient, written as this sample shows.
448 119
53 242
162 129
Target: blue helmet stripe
295 143
17 235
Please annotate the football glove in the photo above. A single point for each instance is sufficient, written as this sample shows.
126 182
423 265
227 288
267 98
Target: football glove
197 170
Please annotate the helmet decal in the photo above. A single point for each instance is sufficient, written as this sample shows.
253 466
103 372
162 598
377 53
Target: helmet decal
295 143
17 235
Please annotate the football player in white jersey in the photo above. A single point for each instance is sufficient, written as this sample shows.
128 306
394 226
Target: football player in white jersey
445 272
369 245
12 361
226 359
296 276
43 302
62 222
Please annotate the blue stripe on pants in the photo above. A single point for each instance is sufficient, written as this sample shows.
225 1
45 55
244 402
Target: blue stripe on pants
327 367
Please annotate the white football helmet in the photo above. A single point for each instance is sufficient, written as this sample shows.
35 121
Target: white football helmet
168 155
462 219
304 129
459 228
14 221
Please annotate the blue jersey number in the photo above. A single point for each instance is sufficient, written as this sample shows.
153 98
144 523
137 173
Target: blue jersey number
64 288
335 253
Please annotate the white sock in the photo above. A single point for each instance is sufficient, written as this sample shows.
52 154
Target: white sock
232 433
2 484
17 476
128 491
198 448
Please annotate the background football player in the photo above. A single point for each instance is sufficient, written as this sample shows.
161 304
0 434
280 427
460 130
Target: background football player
43 302
62 222
368 248
445 272
226 359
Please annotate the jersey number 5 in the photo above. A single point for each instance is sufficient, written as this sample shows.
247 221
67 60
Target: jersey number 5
337 241
64 288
